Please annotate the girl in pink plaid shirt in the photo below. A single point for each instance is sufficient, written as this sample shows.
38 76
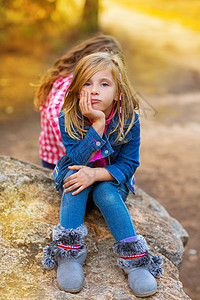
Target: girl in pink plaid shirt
49 96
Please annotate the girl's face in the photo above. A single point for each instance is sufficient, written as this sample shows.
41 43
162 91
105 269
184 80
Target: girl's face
102 88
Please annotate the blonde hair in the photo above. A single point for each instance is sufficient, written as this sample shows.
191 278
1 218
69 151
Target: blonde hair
125 95
65 65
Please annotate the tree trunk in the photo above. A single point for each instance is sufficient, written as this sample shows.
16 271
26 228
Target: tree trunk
89 23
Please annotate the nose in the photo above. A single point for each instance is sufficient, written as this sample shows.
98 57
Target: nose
94 90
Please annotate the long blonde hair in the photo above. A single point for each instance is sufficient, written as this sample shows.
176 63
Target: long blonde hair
65 65
125 95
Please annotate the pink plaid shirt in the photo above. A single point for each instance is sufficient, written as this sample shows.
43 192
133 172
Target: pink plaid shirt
51 146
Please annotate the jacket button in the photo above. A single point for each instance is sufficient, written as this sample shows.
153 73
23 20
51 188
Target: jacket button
106 151
98 144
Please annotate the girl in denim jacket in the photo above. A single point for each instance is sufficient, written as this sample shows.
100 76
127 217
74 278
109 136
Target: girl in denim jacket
49 96
101 133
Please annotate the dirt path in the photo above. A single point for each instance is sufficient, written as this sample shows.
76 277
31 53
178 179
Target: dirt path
170 171
162 60
165 58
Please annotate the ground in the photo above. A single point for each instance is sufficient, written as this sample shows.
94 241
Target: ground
167 74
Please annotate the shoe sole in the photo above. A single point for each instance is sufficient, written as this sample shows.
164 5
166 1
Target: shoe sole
70 291
145 295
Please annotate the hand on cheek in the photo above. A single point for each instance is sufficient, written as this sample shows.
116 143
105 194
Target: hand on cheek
85 103
86 107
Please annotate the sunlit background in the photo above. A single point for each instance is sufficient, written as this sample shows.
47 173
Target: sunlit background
161 42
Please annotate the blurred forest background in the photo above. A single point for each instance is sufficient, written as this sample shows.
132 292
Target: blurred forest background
161 42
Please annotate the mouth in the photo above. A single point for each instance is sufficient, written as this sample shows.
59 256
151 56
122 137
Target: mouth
95 101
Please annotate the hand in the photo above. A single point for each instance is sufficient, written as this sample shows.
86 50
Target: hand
80 180
87 110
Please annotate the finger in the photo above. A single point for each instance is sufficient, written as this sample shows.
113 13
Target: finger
69 183
80 189
83 104
75 167
89 104
85 100
71 177
72 187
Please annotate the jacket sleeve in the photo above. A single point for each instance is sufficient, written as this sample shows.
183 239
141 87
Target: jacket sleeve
56 99
127 160
80 152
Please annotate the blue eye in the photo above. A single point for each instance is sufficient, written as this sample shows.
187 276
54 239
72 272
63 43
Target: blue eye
104 84
87 84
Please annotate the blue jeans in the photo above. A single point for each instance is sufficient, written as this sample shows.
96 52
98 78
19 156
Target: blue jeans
109 198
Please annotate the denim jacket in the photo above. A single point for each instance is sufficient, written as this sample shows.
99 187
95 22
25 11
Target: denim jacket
123 156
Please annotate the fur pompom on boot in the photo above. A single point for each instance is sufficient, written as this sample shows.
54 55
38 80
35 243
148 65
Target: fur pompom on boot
140 265
69 249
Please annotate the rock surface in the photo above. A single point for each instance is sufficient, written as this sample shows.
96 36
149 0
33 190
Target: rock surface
30 209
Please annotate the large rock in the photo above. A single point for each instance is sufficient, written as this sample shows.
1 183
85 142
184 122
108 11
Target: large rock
30 209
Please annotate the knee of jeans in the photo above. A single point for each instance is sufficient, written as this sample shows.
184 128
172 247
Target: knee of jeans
103 193
103 186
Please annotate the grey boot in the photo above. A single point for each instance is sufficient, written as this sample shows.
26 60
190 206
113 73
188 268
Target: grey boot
140 265
68 247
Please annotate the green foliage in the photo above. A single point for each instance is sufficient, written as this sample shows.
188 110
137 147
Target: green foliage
37 20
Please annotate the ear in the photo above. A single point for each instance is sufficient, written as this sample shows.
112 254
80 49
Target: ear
116 97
